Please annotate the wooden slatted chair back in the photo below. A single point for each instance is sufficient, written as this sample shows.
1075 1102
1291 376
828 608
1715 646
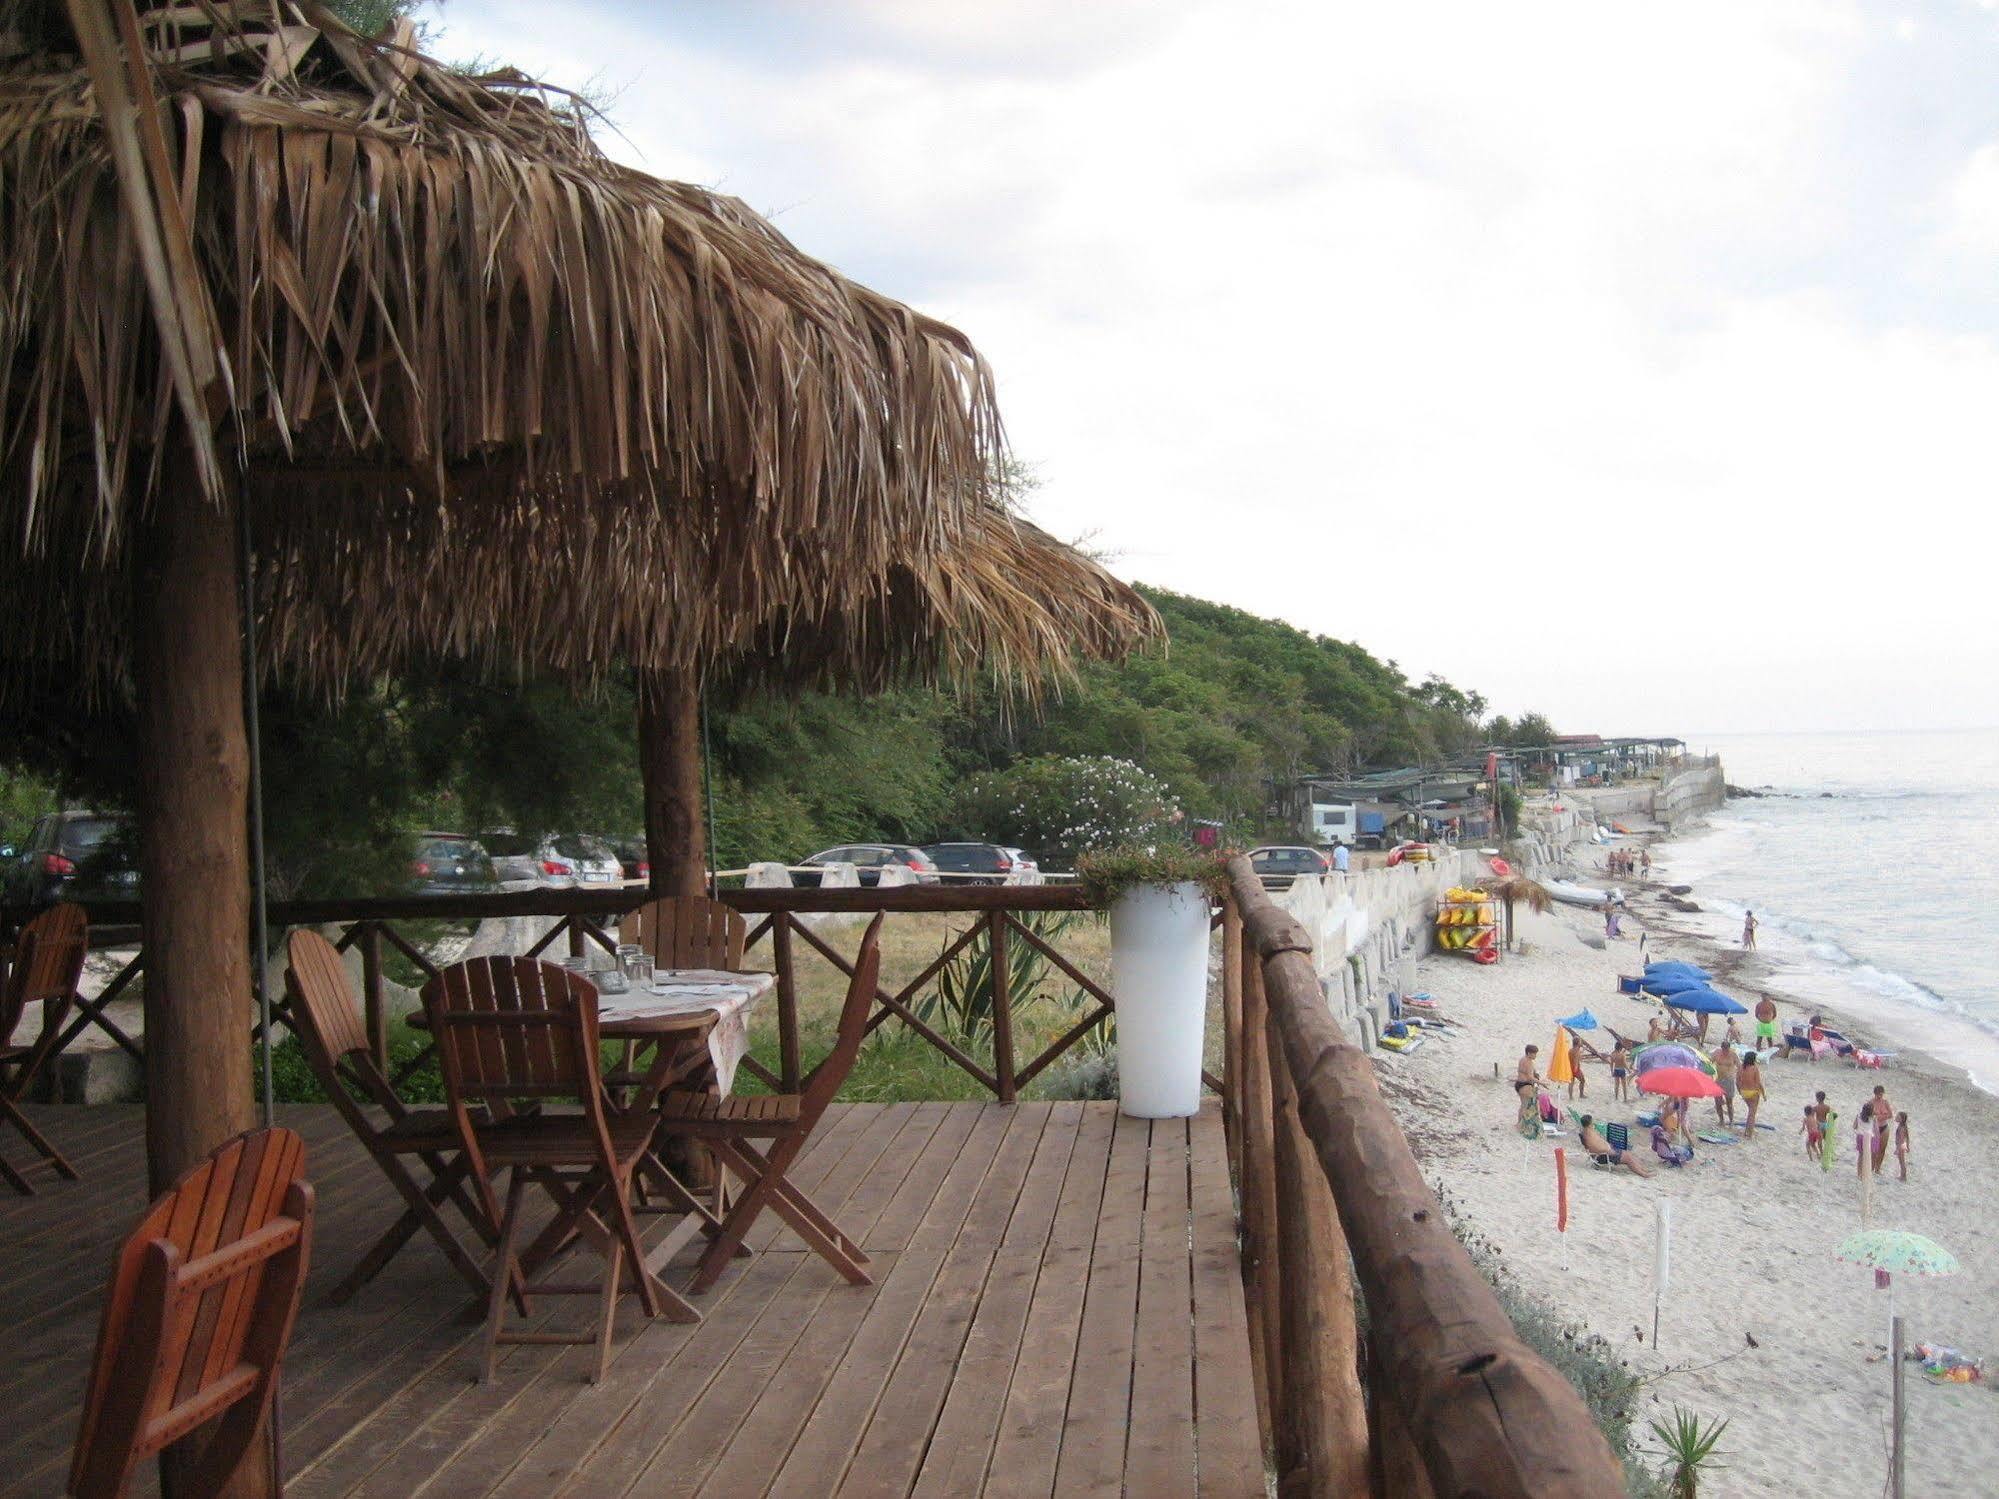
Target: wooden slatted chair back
330 1029
515 1028
202 1301
48 964
688 931
833 1068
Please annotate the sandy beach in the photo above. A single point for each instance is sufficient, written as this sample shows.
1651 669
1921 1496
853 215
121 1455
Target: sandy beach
1754 1225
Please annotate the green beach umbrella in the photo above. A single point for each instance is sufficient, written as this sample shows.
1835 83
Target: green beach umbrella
1899 1252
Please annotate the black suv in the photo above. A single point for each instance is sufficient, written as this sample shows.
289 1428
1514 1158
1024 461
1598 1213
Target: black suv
973 863
76 856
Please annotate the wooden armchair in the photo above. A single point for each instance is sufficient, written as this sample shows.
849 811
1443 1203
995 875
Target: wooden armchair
48 964
202 1302
688 931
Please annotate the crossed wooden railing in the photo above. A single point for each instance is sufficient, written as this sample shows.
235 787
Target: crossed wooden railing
587 918
1440 1397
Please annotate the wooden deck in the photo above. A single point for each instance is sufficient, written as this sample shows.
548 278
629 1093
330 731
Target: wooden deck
1057 1309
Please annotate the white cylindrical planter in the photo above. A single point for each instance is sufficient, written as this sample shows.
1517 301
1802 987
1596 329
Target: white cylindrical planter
1159 970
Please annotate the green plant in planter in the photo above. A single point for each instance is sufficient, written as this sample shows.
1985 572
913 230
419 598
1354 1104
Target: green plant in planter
1107 873
1688 1447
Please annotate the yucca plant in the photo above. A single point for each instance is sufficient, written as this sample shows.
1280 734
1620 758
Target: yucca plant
1689 1447
961 1004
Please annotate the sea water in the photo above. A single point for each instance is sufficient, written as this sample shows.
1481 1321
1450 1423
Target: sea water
1872 864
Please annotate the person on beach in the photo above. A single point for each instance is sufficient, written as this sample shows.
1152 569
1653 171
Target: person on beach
1749 1082
1863 1139
1603 1153
1810 1130
1766 1024
1733 1035
1578 1083
1902 1146
1529 1070
1656 1029
1620 1071
1884 1119
1340 858
1749 930
1645 856
1726 1064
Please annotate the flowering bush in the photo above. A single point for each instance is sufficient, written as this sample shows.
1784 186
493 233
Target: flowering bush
1058 806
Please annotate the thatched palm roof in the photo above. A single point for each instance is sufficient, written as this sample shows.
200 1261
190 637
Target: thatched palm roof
430 309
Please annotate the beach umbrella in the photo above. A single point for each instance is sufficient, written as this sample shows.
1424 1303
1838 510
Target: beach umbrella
1703 1002
1670 983
1679 1082
1669 1054
1582 1020
1665 967
1561 1067
1887 1251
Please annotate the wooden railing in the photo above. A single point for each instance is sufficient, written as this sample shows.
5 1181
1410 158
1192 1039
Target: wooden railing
586 918
1444 1399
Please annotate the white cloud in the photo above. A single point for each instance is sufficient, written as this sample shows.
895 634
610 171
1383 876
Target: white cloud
1668 333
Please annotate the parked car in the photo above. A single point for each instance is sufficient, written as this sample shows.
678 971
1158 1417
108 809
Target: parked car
972 863
1280 865
632 858
555 861
868 859
450 864
76 856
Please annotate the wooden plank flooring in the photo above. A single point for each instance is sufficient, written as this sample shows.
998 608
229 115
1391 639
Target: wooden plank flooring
1056 1310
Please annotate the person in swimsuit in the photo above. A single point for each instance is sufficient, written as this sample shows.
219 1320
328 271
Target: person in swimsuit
1529 1070
1902 1145
1766 1024
1601 1151
1749 1082
1884 1120
1620 1072
1863 1138
1749 930
1725 1064
1810 1130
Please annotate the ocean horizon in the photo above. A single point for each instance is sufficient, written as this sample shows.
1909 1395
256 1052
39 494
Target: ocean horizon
1872 864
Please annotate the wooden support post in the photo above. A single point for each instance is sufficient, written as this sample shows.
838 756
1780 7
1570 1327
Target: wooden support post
1261 1284
1232 1034
670 770
194 853
371 994
787 1001
1322 1437
574 928
996 940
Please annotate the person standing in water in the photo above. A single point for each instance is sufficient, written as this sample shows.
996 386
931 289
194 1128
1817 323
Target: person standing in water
1749 930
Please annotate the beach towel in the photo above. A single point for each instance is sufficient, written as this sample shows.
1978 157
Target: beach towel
1829 1141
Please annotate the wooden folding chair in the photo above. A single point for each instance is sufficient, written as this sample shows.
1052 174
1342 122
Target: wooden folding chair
728 1125
202 1303
330 1031
513 1030
687 931
48 963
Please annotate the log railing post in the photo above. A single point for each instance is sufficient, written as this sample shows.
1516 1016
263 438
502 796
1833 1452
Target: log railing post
1322 1436
371 993
1261 1286
575 929
787 1001
996 945
1232 1033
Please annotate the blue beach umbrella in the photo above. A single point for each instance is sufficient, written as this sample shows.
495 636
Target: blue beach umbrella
1670 983
1582 1021
1663 968
1704 1002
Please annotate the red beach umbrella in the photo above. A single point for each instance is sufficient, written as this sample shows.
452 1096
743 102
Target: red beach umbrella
1679 1082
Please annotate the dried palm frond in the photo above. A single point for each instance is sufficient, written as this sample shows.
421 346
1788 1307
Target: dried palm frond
438 307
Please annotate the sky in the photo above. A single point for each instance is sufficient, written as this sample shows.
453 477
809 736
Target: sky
1637 365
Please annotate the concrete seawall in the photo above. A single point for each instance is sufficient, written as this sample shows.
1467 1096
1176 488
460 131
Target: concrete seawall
1683 794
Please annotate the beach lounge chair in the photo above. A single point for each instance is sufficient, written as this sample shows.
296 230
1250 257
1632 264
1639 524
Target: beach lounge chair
1800 1039
1666 1150
1619 1135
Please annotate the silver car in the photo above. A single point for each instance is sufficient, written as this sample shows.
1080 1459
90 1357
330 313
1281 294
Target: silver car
554 861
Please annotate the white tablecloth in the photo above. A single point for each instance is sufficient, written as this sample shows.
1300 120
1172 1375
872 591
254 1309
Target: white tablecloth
729 995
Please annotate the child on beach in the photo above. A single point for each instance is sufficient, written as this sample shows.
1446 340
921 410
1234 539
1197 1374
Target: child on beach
1620 1072
1902 1145
1810 1130
1863 1138
1578 1084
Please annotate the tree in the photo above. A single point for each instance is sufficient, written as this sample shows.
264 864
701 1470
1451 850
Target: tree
1059 806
